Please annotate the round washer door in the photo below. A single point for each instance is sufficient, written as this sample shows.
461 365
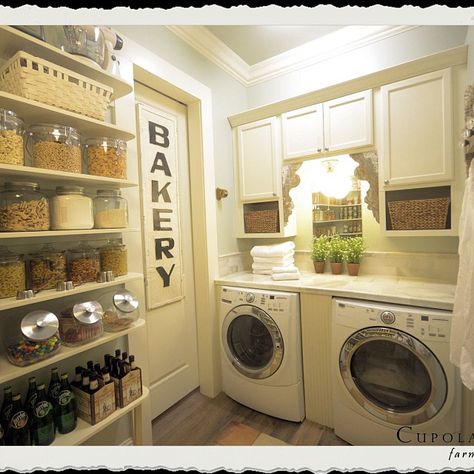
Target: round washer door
393 376
252 342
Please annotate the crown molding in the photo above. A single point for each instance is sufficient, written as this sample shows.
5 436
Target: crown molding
321 49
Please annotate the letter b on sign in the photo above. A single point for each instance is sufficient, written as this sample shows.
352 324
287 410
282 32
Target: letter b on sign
156 132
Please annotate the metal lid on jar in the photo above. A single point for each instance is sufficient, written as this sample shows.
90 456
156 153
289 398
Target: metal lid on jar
22 184
89 312
39 325
69 190
109 192
125 301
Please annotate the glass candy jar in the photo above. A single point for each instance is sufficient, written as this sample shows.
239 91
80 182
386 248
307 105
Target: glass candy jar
83 264
110 209
23 207
107 157
11 138
46 268
113 257
71 209
120 309
36 339
12 273
81 323
55 147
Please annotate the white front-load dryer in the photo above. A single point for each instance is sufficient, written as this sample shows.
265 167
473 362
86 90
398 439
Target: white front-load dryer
261 351
393 383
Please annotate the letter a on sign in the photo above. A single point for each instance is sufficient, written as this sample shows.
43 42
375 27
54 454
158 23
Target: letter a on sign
159 165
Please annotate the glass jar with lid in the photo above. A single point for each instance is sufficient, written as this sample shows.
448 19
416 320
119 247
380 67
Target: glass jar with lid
11 138
81 323
83 264
12 273
55 147
110 209
23 207
107 157
71 209
36 338
120 309
113 257
46 268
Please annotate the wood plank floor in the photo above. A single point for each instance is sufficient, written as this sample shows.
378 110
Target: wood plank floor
197 420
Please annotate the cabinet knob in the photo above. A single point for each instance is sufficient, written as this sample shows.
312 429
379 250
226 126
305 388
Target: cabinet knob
386 181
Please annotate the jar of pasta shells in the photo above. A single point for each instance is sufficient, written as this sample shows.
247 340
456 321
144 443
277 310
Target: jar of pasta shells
83 264
11 138
23 208
113 257
107 157
46 268
12 273
55 147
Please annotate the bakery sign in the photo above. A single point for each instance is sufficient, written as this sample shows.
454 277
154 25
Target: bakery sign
161 233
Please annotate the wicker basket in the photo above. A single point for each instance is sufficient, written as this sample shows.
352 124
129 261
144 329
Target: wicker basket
261 221
419 214
36 79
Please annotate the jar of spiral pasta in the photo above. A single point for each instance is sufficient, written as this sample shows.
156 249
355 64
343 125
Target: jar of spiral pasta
46 268
113 257
83 264
107 157
12 273
11 138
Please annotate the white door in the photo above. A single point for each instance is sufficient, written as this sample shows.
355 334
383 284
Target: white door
172 339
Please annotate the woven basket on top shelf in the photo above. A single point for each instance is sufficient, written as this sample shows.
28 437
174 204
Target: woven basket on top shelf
37 79
419 214
261 221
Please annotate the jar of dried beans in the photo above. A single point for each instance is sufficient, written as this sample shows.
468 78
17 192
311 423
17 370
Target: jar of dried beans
11 138
46 268
55 147
23 208
107 157
83 264
12 273
113 257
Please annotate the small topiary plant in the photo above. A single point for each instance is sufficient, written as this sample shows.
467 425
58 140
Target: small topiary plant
320 248
337 249
354 250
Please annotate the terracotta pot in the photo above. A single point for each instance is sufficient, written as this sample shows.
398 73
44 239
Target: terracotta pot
336 268
318 266
353 268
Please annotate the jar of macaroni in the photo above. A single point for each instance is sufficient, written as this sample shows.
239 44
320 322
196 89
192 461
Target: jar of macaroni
11 138
107 157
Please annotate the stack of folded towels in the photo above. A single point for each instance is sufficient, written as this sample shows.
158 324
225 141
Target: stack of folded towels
275 260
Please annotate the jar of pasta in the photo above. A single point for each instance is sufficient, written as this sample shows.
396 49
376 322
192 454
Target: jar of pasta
11 138
107 157
47 268
12 273
81 323
113 257
83 264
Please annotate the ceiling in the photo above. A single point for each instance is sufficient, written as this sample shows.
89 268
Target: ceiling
255 43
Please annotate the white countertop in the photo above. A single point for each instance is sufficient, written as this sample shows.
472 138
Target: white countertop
388 289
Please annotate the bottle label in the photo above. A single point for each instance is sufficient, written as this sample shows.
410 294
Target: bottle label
19 420
7 413
65 397
42 409
54 392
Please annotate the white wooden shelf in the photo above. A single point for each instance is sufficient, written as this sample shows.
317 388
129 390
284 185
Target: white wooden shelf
32 111
13 40
63 233
47 295
9 371
84 430
32 173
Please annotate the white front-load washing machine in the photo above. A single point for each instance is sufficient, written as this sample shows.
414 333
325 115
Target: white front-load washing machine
393 383
261 351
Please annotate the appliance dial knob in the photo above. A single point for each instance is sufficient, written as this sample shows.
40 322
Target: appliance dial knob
387 317
250 297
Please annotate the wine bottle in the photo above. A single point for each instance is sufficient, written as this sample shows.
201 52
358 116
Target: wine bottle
42 420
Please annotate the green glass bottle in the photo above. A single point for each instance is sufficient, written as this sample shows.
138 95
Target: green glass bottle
66 418
31 395
18 432
42 425
6 410
53 388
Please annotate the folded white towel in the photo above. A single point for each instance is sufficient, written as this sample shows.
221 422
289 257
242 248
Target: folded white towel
277 250
286 276
269 266
276 260
287 269
262 272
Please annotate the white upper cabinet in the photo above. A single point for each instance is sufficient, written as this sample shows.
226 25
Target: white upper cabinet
348 122
302 132
259 160
417 130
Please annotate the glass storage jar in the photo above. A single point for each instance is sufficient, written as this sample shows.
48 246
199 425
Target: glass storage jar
110 209
71 209
120 309
23 208
36 338
107 157
12 273
55 147
81 323
83 264
46 268
113 257
11 138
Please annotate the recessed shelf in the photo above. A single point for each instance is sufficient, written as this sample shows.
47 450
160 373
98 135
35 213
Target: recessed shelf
32 111
13 40
62 233
9 371
46 295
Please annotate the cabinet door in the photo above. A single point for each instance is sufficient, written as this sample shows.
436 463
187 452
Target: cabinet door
302 132
417 130
348 122
258 160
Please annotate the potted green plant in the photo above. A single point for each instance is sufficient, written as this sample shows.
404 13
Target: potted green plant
319 253
337 248
354 251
